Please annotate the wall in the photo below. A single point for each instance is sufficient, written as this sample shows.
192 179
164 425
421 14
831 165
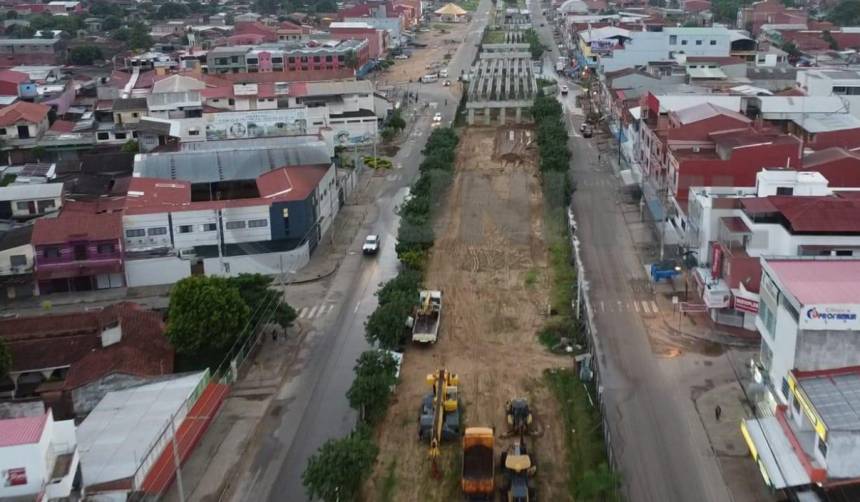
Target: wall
86 397
843 454
246 234
6 254
36 130
58 201
782 344
302 217
848 138
821 350
268 263
147 223
155 271
329 205
26 456
198 236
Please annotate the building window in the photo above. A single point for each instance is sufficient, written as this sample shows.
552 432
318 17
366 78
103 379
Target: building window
713 42
157 231
785 388
18 260
328 58
135 233
231 102
698 42
768 319
52 252
257 223
208 227
186 229
683 42
135 114
235 225
822 447
795 403
106 248
234 59
844 252
120 135
784 190
193 132
673 39
103 136
316 59
22 206
3 131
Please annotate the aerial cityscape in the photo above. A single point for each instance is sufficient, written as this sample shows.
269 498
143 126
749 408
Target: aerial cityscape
408 250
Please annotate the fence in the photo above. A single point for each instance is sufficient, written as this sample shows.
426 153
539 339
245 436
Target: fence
585 315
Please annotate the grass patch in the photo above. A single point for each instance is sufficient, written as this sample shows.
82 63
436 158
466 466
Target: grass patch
531 278
589 477
494 37
386 493
468 5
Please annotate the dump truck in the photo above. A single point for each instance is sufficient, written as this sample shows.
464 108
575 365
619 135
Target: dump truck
478 464
428 315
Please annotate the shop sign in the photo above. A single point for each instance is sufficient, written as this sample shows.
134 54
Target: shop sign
16 476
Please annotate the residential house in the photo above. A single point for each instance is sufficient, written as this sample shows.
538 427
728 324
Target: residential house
751 18
326 60
79 250
72 360
39 458
18 84
16 263
129 110
18 51
65 8
21 201
23 123
378 41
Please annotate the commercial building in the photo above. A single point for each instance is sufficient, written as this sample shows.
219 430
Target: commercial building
325 60
39 458
32 51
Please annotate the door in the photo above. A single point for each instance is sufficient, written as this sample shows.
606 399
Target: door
80 252
24 132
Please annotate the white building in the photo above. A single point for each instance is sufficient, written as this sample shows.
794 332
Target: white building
22 201
38 458
637 48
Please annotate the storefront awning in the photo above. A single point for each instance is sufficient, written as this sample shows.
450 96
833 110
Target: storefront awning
773 453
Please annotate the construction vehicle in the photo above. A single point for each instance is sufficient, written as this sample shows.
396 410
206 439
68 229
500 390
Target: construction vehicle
439 417
517 469
428 315
519 416
478 481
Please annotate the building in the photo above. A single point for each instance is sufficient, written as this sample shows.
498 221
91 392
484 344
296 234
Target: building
23 123
325 60
79 250
392 25
16 263
71 360
39 458
810 366
378 41
751 18
20 201
32 51
18 84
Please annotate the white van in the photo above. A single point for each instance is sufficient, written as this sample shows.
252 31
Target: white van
444 73
430 78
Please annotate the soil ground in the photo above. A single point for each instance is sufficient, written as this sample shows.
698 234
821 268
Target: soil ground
490 261
438 43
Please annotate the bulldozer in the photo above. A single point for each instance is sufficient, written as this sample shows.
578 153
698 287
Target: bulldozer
517 470
519 417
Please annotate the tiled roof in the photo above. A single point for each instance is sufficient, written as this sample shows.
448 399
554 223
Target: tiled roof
23 111
13 76
18 431
825 214
296 182
72 225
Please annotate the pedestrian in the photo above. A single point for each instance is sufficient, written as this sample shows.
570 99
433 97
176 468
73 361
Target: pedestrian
718 412
274 335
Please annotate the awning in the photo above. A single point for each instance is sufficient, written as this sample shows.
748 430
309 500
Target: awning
735 225
773 453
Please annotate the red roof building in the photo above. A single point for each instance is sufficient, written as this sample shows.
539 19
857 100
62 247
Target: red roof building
769 12
23 112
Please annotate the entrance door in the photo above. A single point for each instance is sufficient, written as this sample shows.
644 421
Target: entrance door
24 132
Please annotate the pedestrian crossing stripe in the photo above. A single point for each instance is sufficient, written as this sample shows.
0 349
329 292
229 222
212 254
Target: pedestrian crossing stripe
639 306
315 311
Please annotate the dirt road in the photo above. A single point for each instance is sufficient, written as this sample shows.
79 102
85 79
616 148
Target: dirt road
439 44
490 262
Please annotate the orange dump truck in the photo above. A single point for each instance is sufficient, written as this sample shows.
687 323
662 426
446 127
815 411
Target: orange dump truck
478 463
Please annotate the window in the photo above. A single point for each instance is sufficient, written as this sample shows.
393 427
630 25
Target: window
103 136
286 214
785 387
768 318
844 252
18 260
795 403
135 233
186 229
193 132
328 58
822 447
683 42
231 102
234 59
3 132
258 223
252 60
120 135
235 225
713 42
45 205
208 227
106 248
290 60
698 42
53 252
784 190
157 231
316 59
673 39
22 206
135 114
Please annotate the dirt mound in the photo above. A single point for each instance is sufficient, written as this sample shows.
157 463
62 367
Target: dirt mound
490 262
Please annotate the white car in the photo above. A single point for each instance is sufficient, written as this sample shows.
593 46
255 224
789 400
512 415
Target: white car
371 244
437 118
402 56
446 83
564 90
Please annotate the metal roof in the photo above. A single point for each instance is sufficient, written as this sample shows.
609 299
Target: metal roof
829 122
836 399
207 166
34 191
774 452
819 281
711 73
18 431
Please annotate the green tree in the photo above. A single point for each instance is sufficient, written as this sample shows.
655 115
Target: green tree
387 324
406 283
351 60
846 13
828 37
266 304
121 34
791 49
335 472
11 14
325 6
139 38
5 359
130 146
726 11
19 31
205 314
171 10
388 134
267 6
371 389
598 484
396 121
111 23
104 8
85 55
535 47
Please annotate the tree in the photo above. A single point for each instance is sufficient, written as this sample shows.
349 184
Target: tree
103 8
726 11
335 472
85 55
111 23
171 10
396 121
5 359
11 14
791 49
846 13
371 389
387 324
121 34
265 304
407 282
598 484
205 314
267 6
130 146
325 6
351 60
535 47
828 37
388 134
19 31
139 38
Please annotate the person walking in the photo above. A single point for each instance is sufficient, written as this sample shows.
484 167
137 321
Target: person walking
718 412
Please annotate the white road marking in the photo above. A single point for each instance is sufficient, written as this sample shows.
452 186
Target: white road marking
313 312
303 312
654 306
645 307
356 307
636 306
602 307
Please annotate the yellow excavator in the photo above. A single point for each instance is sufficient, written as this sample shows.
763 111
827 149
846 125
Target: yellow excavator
439 417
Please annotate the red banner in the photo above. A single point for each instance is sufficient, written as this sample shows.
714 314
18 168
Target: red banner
716 259
746 305
16 476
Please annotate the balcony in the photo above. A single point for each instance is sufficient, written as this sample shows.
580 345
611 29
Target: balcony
16 270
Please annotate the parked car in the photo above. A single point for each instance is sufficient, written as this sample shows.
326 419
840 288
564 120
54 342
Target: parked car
371 244
443 73
564 90
437 119
447 83
402 56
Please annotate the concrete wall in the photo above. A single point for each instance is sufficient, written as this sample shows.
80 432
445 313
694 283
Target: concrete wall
86 397
243 216
782 344
821 350
151 225
29 457
155 271
198 235
843 454
266 263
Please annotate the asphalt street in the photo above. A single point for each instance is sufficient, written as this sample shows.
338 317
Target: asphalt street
311 406
661 448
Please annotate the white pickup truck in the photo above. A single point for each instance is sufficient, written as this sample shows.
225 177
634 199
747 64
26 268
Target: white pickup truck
428 316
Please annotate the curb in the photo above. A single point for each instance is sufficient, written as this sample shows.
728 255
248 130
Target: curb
719 338
319 277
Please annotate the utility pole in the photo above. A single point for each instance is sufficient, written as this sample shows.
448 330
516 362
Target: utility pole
220 236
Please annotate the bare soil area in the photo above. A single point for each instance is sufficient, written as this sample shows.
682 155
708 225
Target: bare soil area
490 261
438 43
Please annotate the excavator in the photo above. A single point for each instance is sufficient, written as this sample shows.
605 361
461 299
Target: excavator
519 417
439 417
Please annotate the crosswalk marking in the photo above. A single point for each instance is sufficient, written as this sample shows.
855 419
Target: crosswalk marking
645 307
302 312
315 312
654 306
636 306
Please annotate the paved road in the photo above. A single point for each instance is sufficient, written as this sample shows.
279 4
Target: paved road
312 407
662 449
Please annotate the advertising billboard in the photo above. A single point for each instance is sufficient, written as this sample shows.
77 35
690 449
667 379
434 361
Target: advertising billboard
829 317
256 124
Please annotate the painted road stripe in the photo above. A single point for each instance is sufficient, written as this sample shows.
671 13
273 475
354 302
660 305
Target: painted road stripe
602 307
313 312
645 308
330 308
303 312
654 306
636 306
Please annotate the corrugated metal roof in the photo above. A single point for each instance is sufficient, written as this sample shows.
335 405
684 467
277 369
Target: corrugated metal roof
836 398
34 191
829 122
820 282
